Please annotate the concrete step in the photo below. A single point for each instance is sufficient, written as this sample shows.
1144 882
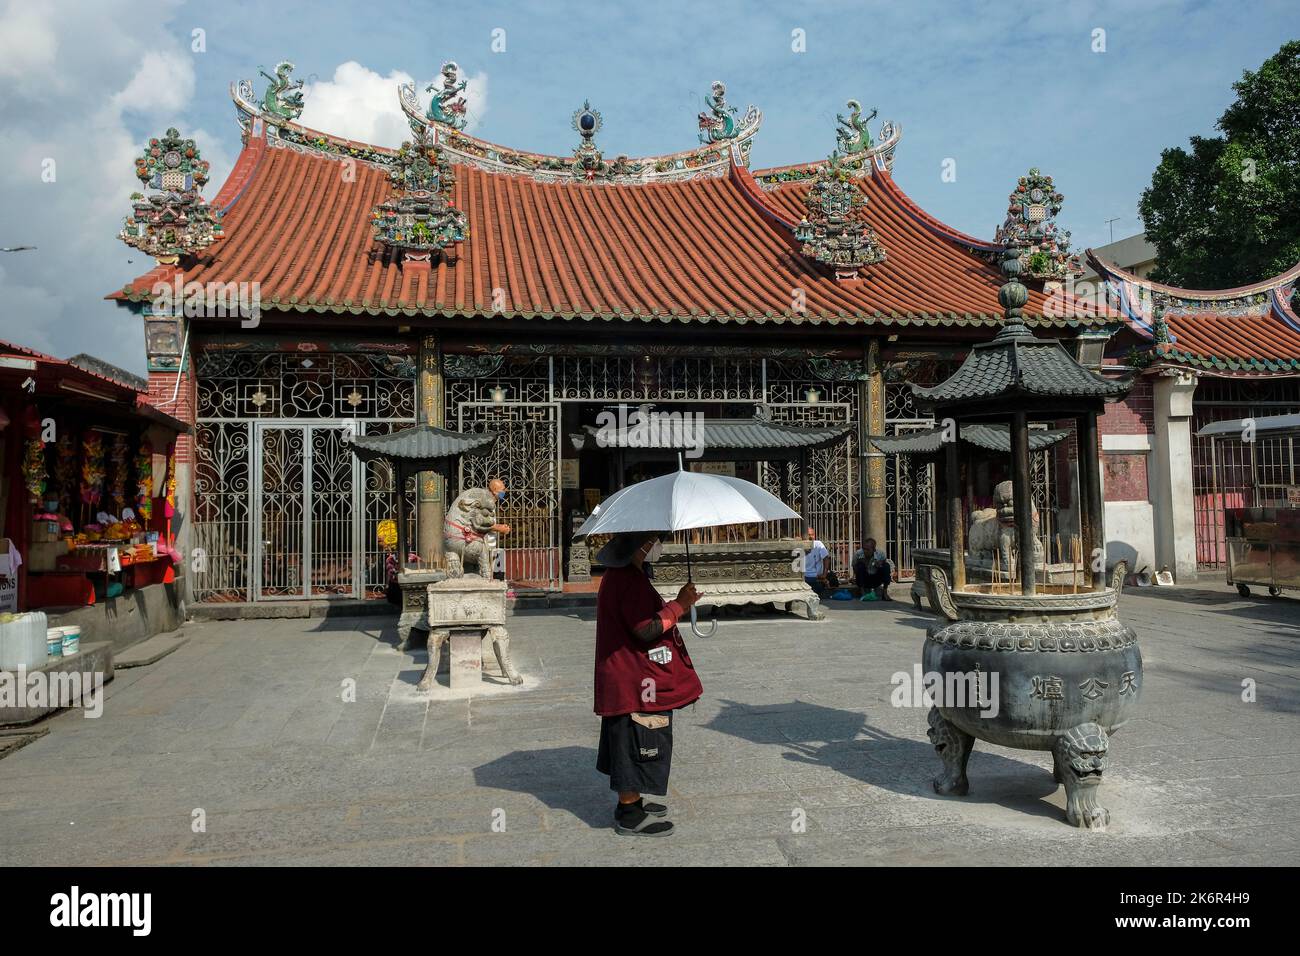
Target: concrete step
151 650
263 610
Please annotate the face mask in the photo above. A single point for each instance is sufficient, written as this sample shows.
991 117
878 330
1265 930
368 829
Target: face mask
656 549
501 496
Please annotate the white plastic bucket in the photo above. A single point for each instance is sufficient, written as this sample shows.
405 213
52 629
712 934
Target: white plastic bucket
54 642
71 640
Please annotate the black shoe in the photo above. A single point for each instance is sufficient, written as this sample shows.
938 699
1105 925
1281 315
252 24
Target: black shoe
654 809
635 820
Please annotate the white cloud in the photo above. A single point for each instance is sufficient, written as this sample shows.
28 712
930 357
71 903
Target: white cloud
361 105
86 73
28 43
164 83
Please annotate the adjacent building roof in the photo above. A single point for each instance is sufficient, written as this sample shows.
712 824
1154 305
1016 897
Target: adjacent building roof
714 245
1250 330
82 377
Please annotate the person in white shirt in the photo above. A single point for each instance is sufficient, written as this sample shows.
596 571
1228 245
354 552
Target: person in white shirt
815 562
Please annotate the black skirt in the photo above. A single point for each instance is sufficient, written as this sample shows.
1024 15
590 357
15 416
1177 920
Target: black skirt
635 757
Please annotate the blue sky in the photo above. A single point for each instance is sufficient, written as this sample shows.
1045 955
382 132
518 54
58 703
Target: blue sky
997 87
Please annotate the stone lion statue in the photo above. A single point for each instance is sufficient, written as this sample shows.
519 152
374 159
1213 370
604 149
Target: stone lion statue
994 529
470 519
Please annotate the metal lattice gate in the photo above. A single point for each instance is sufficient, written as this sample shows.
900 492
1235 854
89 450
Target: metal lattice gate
526 457
281 509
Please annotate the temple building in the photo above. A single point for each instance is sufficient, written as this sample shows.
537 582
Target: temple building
332 288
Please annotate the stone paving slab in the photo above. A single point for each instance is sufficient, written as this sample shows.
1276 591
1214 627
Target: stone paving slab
794 756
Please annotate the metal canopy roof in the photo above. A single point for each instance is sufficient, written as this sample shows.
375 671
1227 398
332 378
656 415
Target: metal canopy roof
720 434
1270 424
421 446
991 436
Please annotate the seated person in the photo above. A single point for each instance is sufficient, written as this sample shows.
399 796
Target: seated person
871 571
815 561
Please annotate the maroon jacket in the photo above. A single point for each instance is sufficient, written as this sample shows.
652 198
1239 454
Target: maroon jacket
627 679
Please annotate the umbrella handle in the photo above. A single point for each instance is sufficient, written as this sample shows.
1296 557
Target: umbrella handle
695 624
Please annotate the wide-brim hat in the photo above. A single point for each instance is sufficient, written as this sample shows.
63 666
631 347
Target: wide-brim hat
620 549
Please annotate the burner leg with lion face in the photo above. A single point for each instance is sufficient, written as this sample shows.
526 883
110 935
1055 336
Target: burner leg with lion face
953 746
1079 759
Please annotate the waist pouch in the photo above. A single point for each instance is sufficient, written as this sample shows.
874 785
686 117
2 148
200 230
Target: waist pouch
652 737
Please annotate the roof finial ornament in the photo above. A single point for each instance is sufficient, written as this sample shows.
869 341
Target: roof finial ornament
175 221
852 133
447 106
421 218
717 122
1013 296
1031 227
283 97
830 232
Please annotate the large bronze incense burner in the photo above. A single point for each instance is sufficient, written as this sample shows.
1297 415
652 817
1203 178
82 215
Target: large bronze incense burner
1056 668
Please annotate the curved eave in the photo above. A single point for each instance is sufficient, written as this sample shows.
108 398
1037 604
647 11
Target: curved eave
1106 268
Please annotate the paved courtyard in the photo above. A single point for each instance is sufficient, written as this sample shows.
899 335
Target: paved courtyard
247 724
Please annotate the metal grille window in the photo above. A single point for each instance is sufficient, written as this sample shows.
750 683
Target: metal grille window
1236 474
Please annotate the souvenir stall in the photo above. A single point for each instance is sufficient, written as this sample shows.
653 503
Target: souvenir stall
88 490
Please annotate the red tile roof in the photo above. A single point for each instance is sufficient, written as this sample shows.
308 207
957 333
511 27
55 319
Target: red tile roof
709 249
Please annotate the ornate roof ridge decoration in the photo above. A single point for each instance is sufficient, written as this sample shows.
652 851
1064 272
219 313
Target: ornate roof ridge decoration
421 218
448 106
175 220
588 164
282 130
830 232
1031 227
283 97
861 153
1016 365
717 122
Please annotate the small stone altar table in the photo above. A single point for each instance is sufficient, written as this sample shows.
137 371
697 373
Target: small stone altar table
466 611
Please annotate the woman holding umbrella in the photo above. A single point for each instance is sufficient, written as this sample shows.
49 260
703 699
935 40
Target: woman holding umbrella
643 674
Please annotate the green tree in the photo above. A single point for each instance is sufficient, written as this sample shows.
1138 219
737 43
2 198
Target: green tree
1227 213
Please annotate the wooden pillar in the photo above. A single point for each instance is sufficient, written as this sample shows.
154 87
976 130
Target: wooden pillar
1092 521
871 461
1023 500
956 520
431 488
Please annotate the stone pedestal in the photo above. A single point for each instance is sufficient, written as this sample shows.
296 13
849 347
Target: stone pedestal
466 658
467 611
579 563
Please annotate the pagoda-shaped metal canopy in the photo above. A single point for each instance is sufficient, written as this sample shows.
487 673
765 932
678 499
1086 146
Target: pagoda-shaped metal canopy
421 447
413 450
1018 370
1015 379
990 437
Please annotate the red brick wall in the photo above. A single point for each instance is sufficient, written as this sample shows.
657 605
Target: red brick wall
162 385
1135 415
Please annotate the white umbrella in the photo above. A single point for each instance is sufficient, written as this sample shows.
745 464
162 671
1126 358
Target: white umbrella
683 500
